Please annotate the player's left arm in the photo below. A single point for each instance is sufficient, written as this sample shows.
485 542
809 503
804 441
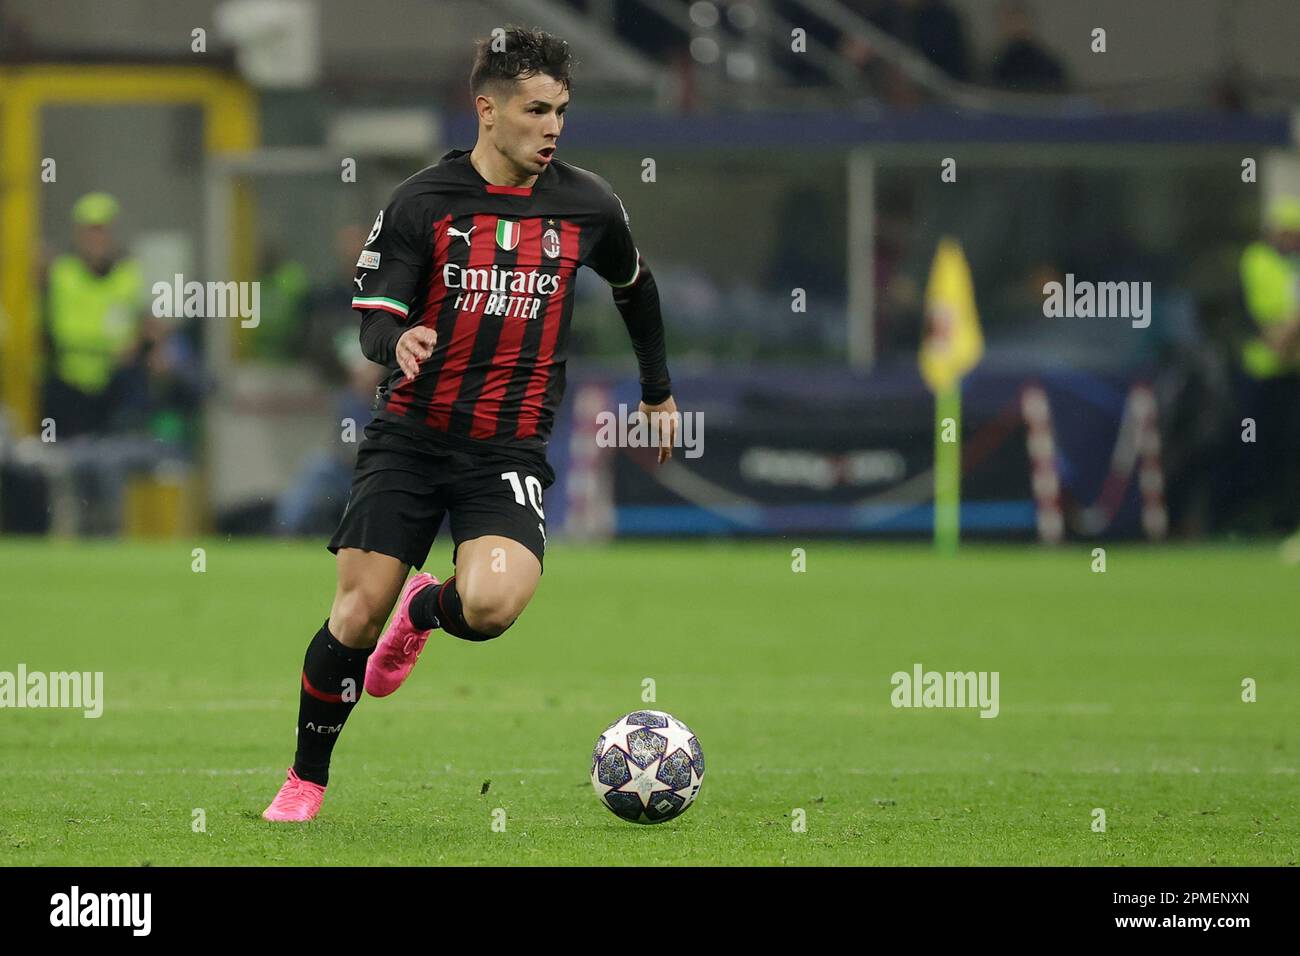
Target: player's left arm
616 259
389 272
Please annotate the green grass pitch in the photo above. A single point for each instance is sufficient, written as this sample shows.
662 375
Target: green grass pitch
1119 691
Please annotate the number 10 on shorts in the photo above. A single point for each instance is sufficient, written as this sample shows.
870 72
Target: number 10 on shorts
534 487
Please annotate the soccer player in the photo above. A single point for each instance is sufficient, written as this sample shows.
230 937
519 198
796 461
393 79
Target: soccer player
465 289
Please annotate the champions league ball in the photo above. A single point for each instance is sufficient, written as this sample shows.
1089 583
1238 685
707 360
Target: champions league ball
647 767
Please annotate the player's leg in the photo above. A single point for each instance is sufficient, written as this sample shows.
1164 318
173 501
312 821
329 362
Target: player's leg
368 585
333 674
398 650
499 528
392 516
495 579
334 668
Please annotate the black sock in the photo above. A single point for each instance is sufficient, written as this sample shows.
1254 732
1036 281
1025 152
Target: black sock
332 681
424 612
439 606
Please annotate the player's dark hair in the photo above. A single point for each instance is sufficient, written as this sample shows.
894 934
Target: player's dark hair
516 54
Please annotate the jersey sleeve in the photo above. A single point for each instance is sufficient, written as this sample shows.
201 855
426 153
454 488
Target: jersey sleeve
614 255
394 257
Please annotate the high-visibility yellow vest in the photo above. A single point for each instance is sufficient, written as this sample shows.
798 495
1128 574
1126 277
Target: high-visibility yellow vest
1271 283
92 319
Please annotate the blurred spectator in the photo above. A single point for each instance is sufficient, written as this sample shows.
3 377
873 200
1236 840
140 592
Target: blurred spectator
884 77
112 372
661 40
931 27
1268 469
797 262
92 322
898 294
282 328
1024 63
1270 276
315 499
329 311
937 32
162 389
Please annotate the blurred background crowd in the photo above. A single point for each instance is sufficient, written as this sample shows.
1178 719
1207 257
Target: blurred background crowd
760 147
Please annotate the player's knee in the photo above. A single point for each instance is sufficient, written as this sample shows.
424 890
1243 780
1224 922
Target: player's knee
488 617
357 618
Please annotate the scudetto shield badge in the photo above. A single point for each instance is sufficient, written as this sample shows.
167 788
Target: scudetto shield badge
507 234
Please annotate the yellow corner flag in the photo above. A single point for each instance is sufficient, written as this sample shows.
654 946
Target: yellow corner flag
953 342
952 345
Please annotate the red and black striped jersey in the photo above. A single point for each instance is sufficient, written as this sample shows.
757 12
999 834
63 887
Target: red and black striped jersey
491 270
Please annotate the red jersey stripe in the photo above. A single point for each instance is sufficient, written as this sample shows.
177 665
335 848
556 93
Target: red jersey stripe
530 409
461 345
488 407
400 399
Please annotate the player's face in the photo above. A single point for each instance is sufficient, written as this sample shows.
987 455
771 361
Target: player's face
529 122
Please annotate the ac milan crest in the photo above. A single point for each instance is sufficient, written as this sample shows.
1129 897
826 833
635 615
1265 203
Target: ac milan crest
551 243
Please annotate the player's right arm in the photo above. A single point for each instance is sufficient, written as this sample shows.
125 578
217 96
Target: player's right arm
388 276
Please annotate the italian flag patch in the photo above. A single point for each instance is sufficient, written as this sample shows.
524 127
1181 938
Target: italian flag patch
507 234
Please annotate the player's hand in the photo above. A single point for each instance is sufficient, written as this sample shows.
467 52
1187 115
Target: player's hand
669 421
415 345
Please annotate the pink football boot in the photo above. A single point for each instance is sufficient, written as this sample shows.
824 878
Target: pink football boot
299 800
398 650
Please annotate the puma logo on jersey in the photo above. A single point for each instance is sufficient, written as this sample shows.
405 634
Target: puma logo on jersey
358 281
457 234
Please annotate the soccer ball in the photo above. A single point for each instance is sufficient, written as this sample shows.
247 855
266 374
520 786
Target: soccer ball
647 767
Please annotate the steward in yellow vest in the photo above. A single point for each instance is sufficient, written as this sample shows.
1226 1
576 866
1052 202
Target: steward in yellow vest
1266 484
1270 282
92 311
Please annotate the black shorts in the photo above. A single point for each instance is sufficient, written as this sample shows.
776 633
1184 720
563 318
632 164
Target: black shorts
404 484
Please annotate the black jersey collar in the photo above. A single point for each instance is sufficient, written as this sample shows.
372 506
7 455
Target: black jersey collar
461 157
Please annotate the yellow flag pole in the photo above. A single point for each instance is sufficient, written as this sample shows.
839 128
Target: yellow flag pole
951 347
947 469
